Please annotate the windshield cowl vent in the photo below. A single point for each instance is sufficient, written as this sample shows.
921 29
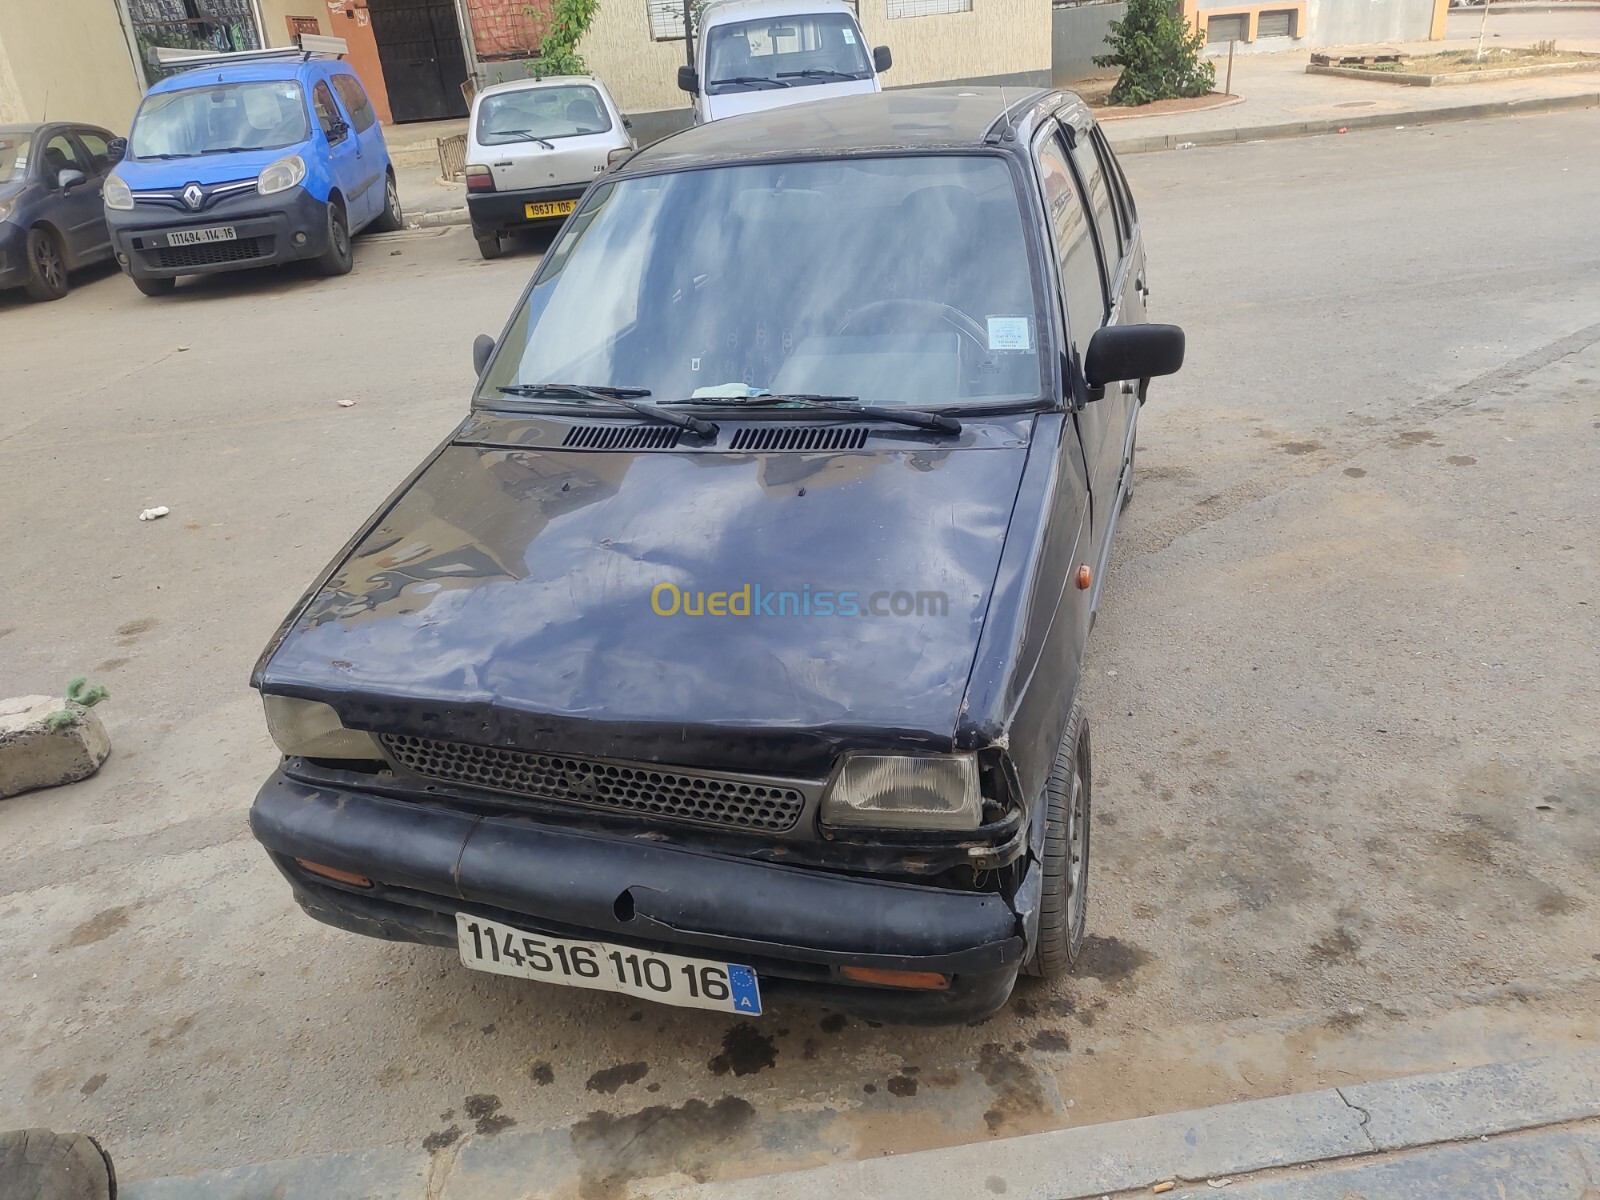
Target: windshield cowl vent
801 437
621 437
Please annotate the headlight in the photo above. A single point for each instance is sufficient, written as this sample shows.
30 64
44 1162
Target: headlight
312 729
895 791
5 208
281 175
116 194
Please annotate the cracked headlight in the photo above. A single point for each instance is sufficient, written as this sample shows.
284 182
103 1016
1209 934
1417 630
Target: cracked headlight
898 791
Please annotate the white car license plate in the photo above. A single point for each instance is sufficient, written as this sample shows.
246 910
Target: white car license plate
194 237
664 978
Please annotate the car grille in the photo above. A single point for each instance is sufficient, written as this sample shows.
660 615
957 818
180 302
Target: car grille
208 253
643 789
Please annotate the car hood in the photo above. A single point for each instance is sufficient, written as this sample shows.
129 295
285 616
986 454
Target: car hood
203 168
733 104
513 594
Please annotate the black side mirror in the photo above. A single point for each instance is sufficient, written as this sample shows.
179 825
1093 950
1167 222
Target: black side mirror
882 60
1132 352
338 131
482 348
69 178
688 80
117 149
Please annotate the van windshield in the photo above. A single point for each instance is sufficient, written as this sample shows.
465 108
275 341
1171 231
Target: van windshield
552 111
900 280
795 51
259 115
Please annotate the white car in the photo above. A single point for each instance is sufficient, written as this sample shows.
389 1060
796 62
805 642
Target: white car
533 147
759 54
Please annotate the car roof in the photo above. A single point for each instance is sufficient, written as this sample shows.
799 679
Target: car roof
718 11
937 118
245 72
37 126
523 85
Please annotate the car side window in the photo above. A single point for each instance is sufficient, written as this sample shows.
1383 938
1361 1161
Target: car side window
1097 192
99 151
328 115
1082 285
60 155
1127 216
355 102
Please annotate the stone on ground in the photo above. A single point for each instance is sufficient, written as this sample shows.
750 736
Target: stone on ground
39 1164
33 755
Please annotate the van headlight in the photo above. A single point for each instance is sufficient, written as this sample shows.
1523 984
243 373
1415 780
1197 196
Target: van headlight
117 194
311 729
898 791
281 175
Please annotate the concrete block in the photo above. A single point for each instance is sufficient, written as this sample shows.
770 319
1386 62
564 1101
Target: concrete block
32 755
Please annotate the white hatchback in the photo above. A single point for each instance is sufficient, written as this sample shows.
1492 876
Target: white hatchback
533 148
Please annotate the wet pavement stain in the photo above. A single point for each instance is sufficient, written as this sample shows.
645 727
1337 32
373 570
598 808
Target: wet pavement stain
1110 960
1299 447
97 928
542 1073
1052 1041
995 1185
1336 946
745 1051
690 1138
1015 1084
610 1079
1461 460
1355 472
902 1085
436 1142
133 629
485 1112
92 1085
832 1023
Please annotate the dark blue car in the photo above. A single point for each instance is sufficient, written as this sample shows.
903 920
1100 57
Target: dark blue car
249 161
51 221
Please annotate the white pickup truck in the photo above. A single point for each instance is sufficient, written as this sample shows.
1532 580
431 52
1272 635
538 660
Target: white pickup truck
753 55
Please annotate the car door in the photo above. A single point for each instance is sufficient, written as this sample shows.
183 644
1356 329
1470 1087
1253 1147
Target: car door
370 150
73 208
96 147
344 154
1083 298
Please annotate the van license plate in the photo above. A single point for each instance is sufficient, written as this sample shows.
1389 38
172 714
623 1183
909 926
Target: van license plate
664 978
552 208
195 237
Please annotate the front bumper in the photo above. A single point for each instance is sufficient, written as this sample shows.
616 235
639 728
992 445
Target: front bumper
496 212
13 255
794 927
265 230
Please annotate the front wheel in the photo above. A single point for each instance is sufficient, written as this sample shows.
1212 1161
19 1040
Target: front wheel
47 269
390 220
337 258
1064 901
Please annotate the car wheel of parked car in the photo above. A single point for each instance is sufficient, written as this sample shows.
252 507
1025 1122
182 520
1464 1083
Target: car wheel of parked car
1064 903
337 258
489 244
391 219
47 269
153 286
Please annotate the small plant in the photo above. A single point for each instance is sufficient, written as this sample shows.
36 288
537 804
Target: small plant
80 693
1159 53
564 28
1548 46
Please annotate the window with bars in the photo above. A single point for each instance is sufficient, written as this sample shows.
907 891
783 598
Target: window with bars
666 19
925 8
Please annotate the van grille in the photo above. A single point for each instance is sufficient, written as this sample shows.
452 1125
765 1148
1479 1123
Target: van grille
643 789
800 437
621 437
209 253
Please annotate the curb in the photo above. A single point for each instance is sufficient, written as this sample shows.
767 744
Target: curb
442 216
1293 129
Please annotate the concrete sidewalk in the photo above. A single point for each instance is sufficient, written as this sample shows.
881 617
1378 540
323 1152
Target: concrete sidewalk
1518 1131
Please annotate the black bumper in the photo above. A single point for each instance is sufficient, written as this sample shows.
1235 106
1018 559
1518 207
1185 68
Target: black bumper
794 927
13 255
265 233
496 212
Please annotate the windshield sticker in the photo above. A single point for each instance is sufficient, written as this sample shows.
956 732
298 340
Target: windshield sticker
849 36
1010 333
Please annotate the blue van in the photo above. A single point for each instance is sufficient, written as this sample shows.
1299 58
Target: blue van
251 159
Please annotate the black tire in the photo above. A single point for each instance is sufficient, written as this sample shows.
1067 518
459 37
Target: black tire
391 219
47 266
338 258
489 244
1064 902
154 285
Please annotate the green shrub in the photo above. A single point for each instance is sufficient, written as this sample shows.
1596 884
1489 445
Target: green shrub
558 48
1159 53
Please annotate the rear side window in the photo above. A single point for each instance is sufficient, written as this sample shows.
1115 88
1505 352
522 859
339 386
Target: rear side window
1081 281
355 102
328 115
1126 215
1097 192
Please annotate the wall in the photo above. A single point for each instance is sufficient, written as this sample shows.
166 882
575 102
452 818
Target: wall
1077 34
639 72
335 18
98 83
1358 22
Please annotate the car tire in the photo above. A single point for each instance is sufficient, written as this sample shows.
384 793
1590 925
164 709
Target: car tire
47 267
489 244
391 219
152 285
1064 898
338 258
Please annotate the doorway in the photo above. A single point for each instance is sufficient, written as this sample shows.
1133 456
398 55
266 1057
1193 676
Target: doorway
424 62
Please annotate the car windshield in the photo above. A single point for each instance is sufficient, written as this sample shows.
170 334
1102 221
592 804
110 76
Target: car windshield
553 111
898 280
14 156
788 51
259 115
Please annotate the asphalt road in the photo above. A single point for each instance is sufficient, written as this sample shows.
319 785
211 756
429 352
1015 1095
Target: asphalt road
1343 693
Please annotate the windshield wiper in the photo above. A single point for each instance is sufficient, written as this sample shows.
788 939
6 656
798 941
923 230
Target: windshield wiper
748 80
230 149
818 73
526 135
848 406
621 396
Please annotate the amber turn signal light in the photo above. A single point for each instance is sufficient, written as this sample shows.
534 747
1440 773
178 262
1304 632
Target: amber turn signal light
1085 577
926 980
335 874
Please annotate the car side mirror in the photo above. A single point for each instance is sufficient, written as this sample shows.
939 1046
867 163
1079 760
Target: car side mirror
117 149
688 80
69 178
1120 352
882 60
338 131
482 350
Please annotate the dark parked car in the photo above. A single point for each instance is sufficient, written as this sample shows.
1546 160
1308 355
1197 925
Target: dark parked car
51 219
731 644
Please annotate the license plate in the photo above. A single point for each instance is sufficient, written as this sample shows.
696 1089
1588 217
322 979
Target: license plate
194 237
551 208
664 978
